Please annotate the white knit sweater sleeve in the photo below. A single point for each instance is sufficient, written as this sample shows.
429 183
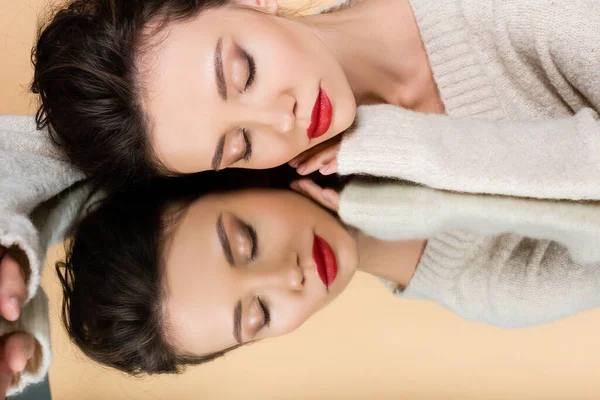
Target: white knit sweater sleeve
505 261
32 171
554 159
399 211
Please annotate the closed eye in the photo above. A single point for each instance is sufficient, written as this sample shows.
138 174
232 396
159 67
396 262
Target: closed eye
248 145
252 234
265 311
251 69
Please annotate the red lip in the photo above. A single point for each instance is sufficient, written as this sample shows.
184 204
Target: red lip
320 119
325 260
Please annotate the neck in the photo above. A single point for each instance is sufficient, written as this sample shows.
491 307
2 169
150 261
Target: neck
394 261
389 64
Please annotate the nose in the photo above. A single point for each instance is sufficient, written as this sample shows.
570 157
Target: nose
278 116
284 275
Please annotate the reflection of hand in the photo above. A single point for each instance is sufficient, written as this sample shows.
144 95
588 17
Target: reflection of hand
326 197
13 291
16 349
322 157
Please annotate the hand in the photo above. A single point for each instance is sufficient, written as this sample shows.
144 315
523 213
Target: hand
326 197
16 349
322 157
13 291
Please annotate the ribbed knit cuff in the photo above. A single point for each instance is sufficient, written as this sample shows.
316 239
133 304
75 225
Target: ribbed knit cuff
388 141
437 273
460 76
17 230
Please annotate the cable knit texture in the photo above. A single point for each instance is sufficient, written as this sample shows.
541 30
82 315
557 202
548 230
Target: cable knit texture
36 208
520 82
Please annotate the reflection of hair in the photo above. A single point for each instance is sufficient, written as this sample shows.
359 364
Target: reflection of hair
112 275
85 73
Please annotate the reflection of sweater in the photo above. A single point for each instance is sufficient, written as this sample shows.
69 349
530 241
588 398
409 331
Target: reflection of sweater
35 211
506 261
521 86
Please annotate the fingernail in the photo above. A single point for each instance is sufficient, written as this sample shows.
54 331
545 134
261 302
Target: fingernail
293 163
323 170
295 186
301 169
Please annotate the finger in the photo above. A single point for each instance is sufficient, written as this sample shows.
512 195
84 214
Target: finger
333 198
9 308
6 373
5 380
318 161
300 158
331 168
305 155
18 350
13 291
325 197
295 186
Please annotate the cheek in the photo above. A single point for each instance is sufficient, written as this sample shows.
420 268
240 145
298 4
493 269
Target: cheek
290 314
287 49
271 150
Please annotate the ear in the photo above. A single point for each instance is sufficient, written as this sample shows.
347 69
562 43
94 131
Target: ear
266 6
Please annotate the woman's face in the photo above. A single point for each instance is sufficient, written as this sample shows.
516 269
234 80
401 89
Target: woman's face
243 88
251 265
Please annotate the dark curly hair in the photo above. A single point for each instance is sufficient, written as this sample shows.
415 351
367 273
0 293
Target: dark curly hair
86 76
112 282
112 275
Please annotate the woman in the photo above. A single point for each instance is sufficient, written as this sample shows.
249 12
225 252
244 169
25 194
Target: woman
103 97
156 280
170 87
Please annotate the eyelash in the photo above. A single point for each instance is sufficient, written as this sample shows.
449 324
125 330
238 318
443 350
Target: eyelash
254 239
265 310
248 144
251 70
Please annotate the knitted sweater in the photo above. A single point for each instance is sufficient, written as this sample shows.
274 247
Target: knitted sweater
35 211
521 86
506 261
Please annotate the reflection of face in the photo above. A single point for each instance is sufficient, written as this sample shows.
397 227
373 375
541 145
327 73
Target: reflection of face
271 69
271 277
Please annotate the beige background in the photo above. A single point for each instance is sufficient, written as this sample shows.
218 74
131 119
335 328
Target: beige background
368 344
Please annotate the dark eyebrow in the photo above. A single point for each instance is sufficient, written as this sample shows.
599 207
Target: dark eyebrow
221 86
216 161
237 322
224 240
